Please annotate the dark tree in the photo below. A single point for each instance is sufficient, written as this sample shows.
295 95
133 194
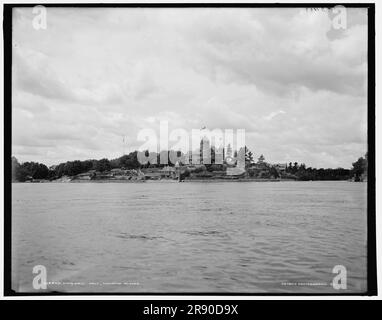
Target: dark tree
31 170
103 165
273 172
129 161
359 168
15 168
248 157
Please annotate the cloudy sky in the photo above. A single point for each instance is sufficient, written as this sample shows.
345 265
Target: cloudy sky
293 82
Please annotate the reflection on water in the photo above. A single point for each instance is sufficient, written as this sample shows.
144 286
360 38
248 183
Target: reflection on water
189 237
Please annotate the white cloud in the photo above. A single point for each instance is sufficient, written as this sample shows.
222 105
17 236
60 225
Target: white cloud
274 114
297 86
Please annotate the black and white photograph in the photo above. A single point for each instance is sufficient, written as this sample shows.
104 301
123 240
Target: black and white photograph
190 149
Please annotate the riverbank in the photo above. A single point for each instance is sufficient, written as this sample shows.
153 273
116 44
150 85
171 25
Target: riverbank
170 175
170 181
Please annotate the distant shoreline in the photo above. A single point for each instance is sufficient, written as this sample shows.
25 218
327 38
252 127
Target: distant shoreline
154 181
174 181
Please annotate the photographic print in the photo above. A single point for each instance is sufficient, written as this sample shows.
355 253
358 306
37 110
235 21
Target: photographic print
211 149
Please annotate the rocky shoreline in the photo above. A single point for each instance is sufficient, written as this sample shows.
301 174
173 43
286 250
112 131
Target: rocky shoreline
156 181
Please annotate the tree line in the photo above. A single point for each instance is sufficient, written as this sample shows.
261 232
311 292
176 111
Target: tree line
301 172
33 170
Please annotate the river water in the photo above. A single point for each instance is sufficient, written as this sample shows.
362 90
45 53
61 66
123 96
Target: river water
221 237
